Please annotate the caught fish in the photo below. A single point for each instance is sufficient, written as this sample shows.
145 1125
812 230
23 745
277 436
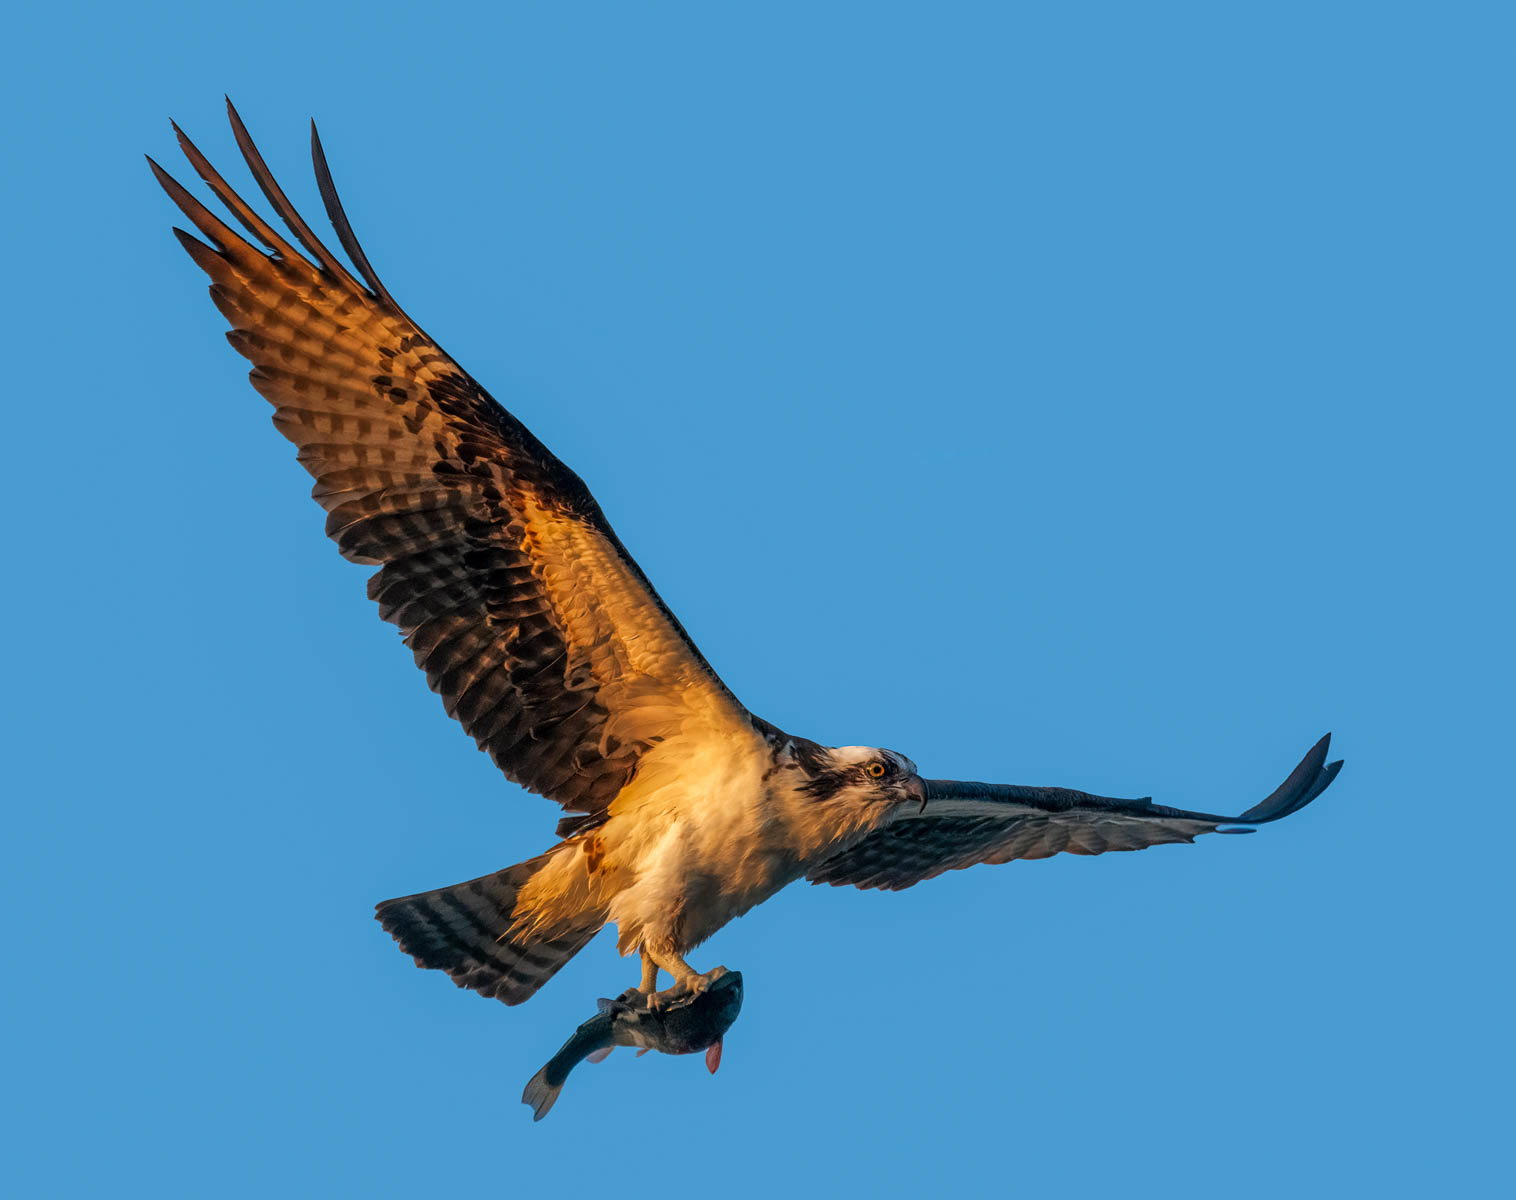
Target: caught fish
684 1026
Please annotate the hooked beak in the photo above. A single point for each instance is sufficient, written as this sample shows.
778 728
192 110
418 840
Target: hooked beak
916 789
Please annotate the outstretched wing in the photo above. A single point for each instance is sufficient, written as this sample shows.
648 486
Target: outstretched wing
530 619
962 824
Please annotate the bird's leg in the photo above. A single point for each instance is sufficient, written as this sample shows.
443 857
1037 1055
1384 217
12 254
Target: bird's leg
649 983
687 980
643 993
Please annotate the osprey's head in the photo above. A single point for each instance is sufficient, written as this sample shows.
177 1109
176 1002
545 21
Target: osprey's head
861 773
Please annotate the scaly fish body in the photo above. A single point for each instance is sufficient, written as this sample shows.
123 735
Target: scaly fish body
687 1026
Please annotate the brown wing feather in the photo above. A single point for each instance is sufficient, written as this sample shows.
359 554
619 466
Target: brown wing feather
531 621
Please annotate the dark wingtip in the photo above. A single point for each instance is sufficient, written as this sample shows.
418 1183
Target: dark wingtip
183 138
1307 781
188 240
234 117
1328 773
338 217
204 220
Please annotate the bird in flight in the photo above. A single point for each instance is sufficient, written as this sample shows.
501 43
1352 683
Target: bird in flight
548 644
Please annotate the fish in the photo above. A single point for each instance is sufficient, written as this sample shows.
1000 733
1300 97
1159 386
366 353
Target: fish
686 1025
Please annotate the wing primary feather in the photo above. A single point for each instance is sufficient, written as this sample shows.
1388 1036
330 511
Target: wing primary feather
1295 792
280 201
228 196
222 235
1294 804
207 258
1323 779
338 217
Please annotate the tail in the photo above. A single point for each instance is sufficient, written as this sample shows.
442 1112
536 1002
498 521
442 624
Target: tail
466 930
540 1094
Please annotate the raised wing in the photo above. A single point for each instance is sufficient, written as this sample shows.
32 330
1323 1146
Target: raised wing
962 824
530 619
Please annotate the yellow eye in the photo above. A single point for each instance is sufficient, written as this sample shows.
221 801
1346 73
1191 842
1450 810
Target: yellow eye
876 770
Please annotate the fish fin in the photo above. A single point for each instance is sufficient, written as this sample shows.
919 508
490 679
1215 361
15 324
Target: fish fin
643 1051
600 1055
713 1056
540 1095
604 1005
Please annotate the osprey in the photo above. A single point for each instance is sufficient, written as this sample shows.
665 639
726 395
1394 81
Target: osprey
550 647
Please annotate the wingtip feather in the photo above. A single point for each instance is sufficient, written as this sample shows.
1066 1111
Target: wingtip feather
288 213
337 215
158 172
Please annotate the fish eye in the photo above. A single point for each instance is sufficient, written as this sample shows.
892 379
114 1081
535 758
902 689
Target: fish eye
875 770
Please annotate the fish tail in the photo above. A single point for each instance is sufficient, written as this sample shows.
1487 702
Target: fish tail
540 1095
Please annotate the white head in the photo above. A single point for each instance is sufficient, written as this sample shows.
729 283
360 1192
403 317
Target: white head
864 773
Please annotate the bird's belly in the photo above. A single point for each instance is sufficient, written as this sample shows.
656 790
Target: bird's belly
706 863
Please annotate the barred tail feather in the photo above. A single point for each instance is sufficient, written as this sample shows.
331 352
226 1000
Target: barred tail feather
467 930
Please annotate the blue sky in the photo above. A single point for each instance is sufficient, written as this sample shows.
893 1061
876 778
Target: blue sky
1113 396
